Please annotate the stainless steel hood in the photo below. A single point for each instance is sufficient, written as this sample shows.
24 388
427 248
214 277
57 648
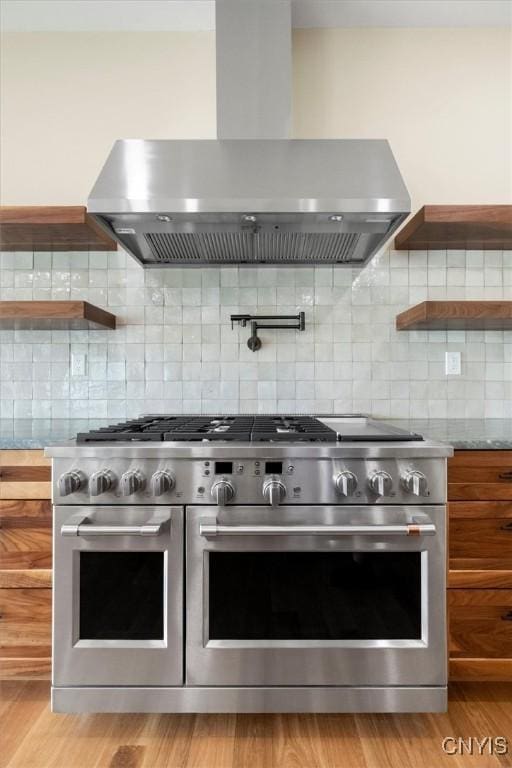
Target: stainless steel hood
252 196
250 201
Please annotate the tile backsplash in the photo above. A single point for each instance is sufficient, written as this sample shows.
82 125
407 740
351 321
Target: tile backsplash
174 349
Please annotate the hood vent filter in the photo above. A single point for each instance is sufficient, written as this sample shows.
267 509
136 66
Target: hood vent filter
246 247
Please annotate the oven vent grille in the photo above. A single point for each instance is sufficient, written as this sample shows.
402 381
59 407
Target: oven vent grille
263 247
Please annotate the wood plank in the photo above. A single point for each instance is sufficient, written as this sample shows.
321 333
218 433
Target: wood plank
480 622
466 458
480 563
21 474
467 510
297 741
24 549
25 668
481 598
13 645
480 579
212 742
31 604
22 705
47 315
479 491
335 731
399 741
33 737
16 513
456 316
442 227
167 742
31 458
51 228
496 474
10 490
131 741
254 741
481 670
30 579
480 538
25 621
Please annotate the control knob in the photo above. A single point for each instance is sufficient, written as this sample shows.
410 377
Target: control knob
274 492
223 491
102 481
71 482
346 483
380 483
162 482
415 482
131 482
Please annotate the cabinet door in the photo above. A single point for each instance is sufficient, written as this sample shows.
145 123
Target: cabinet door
25 622
25 534
480 623
480 535
24 475
25 563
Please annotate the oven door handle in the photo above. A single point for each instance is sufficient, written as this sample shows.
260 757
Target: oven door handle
211 529
80 525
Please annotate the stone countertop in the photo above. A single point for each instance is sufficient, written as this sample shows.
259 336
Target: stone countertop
462 434
39 433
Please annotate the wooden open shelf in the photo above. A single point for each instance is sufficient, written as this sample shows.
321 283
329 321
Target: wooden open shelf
443 227
456 315
51 228
46 315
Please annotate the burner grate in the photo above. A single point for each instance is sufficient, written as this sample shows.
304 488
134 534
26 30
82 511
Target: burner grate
212 428
143 429
292 428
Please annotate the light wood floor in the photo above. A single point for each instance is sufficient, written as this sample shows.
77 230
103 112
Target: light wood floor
31 737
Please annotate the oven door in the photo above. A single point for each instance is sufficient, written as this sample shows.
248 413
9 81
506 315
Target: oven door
118 596
316 596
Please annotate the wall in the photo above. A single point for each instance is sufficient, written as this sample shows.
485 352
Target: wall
175 350
443 98
439 96
66 97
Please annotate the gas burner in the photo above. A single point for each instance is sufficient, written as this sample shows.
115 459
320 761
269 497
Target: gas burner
291 428
143 429
251 429
212 428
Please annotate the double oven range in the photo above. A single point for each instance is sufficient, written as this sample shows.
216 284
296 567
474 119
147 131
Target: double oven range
249 564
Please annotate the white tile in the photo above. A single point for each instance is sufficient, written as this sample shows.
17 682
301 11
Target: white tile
173 327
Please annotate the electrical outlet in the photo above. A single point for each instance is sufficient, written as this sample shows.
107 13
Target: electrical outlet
452 364
78 365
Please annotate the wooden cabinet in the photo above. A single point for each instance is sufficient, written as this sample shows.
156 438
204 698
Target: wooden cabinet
480 565
480 623
25 565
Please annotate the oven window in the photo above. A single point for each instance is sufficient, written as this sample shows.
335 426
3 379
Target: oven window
121 596
314 595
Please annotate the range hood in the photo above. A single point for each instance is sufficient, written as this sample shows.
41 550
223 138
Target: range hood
249 201
253 196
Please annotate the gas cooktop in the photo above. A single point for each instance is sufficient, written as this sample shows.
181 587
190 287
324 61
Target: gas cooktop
254 429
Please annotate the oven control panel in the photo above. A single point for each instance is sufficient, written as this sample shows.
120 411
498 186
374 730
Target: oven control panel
263 481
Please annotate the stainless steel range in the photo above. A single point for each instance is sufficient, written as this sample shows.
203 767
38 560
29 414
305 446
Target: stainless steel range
249 564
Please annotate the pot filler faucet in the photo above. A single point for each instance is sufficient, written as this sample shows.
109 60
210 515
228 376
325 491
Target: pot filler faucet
294 322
